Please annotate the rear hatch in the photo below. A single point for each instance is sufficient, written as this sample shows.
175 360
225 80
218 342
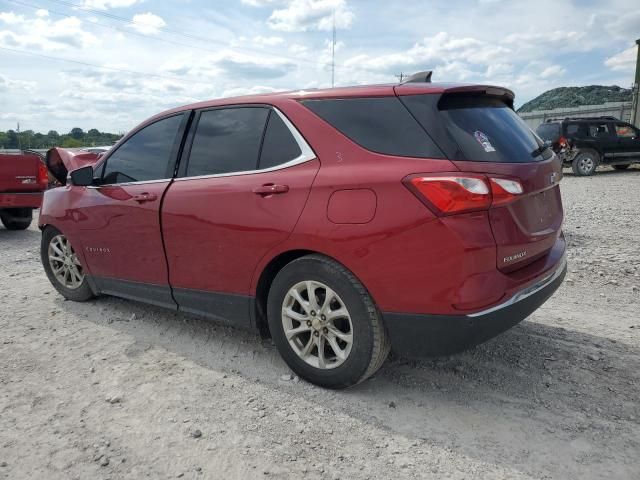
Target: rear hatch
479 132
21 173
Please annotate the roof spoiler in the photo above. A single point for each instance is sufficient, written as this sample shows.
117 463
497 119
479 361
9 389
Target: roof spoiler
420 77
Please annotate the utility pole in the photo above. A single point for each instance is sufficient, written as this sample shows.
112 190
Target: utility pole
18 135
635 109
401 76
333 52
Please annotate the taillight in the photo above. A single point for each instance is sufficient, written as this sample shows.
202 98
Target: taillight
448 194
43 176
504 190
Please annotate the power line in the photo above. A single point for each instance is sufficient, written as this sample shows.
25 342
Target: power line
87 64
180 33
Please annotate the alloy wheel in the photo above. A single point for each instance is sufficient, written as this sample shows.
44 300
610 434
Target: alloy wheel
317 324
64 263
586 164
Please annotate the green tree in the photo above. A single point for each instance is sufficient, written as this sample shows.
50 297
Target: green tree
69 142
77 133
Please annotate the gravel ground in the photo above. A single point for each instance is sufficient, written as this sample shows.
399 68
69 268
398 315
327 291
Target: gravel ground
113 389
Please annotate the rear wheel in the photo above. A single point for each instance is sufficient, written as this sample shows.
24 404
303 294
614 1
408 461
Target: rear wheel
324 323
17 218
61 264
621 167
585 163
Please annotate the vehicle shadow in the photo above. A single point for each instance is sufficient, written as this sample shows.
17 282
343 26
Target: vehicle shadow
565 390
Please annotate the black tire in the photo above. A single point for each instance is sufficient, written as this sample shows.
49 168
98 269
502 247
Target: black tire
82 293
621 167
370 345
17 218
585 163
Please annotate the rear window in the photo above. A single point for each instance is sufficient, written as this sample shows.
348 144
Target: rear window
549 131
476 128
381 124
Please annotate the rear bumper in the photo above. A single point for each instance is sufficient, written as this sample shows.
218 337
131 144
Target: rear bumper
21 200
417 335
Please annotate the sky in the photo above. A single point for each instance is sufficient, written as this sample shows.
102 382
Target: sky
109 64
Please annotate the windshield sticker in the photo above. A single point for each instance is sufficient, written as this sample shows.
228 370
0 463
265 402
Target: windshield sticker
484 141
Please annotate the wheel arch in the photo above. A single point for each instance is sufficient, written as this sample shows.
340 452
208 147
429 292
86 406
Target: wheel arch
268 274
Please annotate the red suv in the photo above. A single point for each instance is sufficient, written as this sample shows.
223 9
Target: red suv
342 222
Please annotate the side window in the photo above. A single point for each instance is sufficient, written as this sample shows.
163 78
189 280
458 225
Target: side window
146 155
227 140
625 131
598 130
278 146
572 129
382 125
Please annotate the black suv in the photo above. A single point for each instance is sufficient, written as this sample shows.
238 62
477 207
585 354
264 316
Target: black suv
585 143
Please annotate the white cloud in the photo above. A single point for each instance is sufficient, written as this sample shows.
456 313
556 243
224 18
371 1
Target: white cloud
42 33
442 52
106 4
624 61
270 41
260 3
304 15
148 23
41 12
553 71
7 84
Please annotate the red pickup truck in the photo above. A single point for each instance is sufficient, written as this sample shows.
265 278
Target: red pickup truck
23 179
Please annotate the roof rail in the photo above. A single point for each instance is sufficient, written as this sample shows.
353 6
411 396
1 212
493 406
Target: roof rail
605 117
420 77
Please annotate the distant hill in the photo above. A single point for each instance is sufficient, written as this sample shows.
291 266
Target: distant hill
565 97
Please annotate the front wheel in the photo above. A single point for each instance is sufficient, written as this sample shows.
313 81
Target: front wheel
585 163
61 264
324 323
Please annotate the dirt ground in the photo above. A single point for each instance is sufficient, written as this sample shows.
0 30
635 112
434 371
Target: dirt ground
113 389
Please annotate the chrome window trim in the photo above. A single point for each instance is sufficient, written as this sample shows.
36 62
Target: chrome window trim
124 184
305 155
527 292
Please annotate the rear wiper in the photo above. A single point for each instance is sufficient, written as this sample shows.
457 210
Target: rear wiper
540 150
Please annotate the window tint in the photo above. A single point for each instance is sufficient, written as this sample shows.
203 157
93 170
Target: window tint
146 155
477 128
598 130
227 140
381 125
572 128
278 146
625 131
549 131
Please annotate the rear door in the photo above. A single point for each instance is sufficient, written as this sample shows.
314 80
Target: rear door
482 134
604 138
628 142
119 219
242 186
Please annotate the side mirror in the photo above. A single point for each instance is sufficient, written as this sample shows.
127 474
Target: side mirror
82 177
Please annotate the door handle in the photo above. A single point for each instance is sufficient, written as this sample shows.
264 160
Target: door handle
270 189
145 197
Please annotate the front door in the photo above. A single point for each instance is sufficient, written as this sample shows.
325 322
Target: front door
605 138
120 233
242 188
628 148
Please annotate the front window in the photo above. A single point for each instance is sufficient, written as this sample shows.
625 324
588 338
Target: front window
625 131
146 155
